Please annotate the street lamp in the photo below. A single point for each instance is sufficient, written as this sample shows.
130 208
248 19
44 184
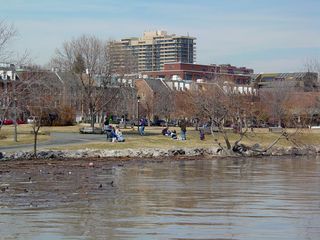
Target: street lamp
138 102
15 119
13 79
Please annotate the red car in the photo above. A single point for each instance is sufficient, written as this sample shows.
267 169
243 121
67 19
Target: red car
19 121
7 122
10 121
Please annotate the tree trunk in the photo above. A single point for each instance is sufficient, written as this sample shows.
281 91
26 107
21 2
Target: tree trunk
92 118
35 143
226 139
197 125
225 136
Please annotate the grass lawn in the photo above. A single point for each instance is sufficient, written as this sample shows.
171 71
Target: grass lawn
154 138
25 135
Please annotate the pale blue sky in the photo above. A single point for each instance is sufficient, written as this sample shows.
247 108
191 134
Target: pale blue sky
266 35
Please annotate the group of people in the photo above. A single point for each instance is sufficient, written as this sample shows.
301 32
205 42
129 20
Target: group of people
173 134
167 132
114 134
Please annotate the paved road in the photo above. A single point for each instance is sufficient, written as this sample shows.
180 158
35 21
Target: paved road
57 139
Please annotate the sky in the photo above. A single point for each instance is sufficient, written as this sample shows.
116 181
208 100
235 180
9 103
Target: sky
266 35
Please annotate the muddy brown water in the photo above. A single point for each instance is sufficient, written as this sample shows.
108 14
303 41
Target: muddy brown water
262 198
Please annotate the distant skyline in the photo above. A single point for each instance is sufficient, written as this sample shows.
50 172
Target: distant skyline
268 36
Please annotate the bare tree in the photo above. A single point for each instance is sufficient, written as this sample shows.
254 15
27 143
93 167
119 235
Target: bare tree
123 104
275 99
39 99
8 96
312 82
146 106
310 108
7 32
87 57
211 103
221 104
183 102
164 104
6 101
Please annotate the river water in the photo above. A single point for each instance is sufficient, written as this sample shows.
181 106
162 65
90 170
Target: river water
264 198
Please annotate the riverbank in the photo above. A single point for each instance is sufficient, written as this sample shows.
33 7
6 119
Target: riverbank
67 143
69 138
156 153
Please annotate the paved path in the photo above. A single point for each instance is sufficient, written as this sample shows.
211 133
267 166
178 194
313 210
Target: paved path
57 139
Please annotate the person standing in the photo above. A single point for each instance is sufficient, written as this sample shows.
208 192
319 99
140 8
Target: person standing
183 128
141 126
202 136
106 124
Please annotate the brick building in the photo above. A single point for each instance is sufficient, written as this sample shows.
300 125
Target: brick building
306 81
194 72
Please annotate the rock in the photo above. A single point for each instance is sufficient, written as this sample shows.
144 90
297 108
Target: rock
175 152
239 148
194 151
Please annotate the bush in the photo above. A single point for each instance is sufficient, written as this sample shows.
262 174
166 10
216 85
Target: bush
65 116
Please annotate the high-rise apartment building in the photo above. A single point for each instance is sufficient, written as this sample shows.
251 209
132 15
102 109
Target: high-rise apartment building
153 50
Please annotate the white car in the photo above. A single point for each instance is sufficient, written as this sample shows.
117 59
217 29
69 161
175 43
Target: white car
31 119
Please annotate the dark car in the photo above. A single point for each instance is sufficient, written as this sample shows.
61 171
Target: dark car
173 123
159 122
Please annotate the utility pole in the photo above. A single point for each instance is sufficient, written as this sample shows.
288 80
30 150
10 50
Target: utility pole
138 102
14 98
14 103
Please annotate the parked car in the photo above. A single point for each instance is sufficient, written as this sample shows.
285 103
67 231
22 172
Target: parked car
159 122
11 121
173 123
263 125
31 119
20 121
7 122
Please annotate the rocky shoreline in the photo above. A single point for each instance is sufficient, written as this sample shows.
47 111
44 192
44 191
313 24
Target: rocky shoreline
156 153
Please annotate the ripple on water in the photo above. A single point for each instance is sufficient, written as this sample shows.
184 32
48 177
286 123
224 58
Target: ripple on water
275 198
